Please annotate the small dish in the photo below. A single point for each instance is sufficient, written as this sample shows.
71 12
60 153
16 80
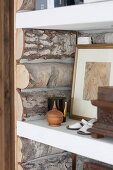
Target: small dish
75 126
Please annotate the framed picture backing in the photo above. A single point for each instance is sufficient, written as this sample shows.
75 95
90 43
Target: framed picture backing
93 67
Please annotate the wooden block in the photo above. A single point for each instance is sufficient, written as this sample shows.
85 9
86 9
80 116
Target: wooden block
105 94
104 125
94 135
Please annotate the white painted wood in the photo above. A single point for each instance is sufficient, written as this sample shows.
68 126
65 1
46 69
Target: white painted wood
77 17
60 137
92 1
50 4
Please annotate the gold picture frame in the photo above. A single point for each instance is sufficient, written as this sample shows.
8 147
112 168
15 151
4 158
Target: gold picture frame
93 67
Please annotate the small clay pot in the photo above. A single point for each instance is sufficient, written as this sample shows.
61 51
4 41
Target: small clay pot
54 117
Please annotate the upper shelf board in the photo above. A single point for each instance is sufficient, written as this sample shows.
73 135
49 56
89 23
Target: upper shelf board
94 16
69 140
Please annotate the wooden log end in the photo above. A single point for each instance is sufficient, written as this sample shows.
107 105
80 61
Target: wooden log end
19 4
19 43
22 77
19 106
19 150
20 167
25 5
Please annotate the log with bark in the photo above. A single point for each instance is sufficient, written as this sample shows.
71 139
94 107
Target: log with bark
50 75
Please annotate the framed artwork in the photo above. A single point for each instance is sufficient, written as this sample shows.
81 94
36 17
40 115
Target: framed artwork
93 68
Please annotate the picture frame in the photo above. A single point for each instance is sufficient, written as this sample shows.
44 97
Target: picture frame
93 67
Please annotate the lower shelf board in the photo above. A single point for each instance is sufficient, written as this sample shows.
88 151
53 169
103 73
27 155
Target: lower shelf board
69 140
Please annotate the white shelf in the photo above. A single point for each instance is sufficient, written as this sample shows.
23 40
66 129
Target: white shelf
78 17
60 137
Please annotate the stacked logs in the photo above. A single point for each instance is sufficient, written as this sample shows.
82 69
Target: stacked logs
22 76
22 81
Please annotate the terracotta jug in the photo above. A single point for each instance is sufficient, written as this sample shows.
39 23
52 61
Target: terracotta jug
54 116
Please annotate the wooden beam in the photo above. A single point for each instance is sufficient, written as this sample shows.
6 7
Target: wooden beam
74 157
1 87
7 110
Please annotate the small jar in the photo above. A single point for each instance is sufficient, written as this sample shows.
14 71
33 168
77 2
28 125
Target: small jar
54 117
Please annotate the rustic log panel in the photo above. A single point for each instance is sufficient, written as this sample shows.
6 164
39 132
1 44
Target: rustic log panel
55 162
50 75
32 45
49 44
36 103
32 150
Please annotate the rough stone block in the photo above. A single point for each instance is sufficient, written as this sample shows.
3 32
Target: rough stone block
36 103
53 162
49 44
32 150
50 75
